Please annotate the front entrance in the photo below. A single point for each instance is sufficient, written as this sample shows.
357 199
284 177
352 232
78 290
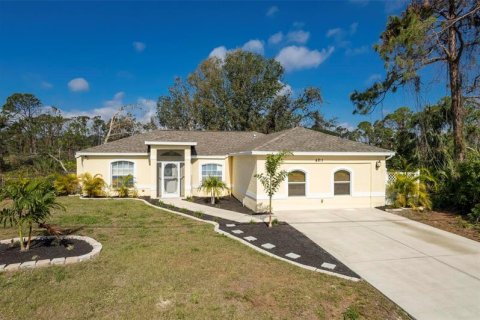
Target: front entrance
170 182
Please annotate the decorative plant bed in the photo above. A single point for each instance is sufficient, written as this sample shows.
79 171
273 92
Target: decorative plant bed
46 251
227 203
282 241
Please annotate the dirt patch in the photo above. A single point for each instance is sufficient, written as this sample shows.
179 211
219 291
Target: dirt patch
43 249
447 221
226 203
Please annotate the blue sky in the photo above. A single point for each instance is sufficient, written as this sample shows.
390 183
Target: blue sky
90 57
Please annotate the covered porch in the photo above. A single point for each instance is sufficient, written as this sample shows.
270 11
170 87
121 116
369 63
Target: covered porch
171 167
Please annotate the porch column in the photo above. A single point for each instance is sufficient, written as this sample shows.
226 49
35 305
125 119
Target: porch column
153 172
188 171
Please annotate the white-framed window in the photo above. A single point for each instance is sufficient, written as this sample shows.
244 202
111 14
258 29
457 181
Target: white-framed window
297 183
341 183
122 169
212 170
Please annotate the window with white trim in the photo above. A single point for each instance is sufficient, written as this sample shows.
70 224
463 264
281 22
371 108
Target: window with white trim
341 184
212 170
121 169
296 183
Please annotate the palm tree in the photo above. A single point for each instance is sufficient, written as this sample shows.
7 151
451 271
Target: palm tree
29 202
411 190
272 178
214 186
123 186
92 186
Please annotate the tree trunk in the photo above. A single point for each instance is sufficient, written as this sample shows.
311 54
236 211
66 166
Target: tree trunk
270 211
457 110
20 235
213 198
29 237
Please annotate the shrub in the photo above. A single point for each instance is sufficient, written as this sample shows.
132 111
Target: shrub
92 186
459 186
474 215
351 313
67 184
124 185
410 191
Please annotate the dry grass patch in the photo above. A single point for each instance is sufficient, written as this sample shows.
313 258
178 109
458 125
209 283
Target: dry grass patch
158 265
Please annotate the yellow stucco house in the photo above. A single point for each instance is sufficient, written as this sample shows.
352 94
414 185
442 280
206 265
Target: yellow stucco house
325 171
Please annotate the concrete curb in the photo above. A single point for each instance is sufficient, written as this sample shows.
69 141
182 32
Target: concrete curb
218 230
97 247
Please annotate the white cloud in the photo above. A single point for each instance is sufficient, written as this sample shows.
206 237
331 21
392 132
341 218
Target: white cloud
219 52
255 46
298 36
116 102
286 89
333 32
46 85
276 38
297 58
273 10
356 51
78 85
139 46
298 24
149 108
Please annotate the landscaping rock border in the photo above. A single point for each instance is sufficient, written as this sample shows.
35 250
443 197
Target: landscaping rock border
97 247
223 226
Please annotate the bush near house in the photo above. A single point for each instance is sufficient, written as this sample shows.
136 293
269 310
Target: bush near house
411 191
93 185
67 184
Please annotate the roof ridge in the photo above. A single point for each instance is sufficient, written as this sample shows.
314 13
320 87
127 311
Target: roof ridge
281 134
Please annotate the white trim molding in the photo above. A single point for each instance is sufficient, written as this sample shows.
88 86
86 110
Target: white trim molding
170 143
316 153
107 154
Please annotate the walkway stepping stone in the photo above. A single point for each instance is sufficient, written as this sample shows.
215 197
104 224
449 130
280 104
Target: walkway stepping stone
237 231
229 225
327 265
292 255
250 238
268 246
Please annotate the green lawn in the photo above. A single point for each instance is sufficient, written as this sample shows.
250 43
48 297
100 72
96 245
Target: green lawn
158 265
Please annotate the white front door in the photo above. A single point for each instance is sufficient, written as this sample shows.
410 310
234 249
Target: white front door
170 179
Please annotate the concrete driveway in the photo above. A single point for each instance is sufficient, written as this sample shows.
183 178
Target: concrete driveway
430 273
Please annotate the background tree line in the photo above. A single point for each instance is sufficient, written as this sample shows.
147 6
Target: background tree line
246 91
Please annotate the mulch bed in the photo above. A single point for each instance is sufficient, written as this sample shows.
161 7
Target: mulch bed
43 249
286 239
227 203
447 221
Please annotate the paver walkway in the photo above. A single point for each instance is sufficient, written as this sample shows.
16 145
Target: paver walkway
221 213
430 273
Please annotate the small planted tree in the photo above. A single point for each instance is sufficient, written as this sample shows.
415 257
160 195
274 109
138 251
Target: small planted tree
272 178
27 202
92 186
213 186
124 184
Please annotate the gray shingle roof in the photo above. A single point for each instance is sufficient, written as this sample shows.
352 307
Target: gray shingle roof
226 142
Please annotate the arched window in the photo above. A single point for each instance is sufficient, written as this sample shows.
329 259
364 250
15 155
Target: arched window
121 169
341 183
296 183
212 170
